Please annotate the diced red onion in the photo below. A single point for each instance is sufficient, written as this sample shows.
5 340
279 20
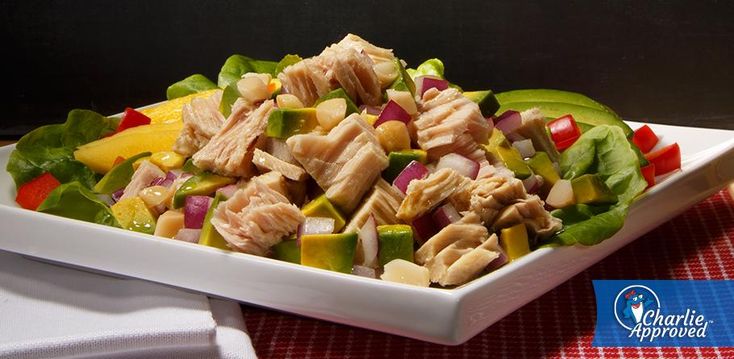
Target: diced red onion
460 164
561 194
195 210
424 228
508 121
424 83
363 271
392 112
164 181
118 194
371 110
369 242
533 183
185 175
228 190
414 170
525 147
498 262
445 215
190 235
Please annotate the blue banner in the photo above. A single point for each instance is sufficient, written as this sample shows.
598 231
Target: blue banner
664 313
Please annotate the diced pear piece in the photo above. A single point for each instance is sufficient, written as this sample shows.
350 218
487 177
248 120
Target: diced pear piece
330 112
404 99
169 223
288 101
402 271
561 194
253 89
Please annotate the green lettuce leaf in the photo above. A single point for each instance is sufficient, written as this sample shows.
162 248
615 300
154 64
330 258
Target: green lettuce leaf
190 85
74 200
603 150
51 148
432 67
238 65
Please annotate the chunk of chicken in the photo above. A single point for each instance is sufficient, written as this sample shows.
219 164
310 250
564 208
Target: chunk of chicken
469 228
377 54
449 122
345 162
201 121
426 194
267 162
230 151
141 179
533 127
462 261
383 203
529 211
256 218
336 66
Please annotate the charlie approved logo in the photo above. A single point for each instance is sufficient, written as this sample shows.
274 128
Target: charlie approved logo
637 309
664 313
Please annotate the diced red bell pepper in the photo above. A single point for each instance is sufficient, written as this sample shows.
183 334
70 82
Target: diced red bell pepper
644 138
32 193
666 159
649 173
132 118
564 131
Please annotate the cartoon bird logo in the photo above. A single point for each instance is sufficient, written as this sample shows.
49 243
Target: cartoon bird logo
636 304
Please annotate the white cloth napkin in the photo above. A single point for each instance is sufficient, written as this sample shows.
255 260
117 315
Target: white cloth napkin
48 311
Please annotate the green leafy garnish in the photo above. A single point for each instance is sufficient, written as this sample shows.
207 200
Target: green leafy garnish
51 148
238 65
74 200
603 150
190 85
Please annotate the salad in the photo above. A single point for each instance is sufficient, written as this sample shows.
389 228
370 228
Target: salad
349 161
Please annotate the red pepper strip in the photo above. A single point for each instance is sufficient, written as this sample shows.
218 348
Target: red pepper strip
644 138
32 193
666 159
649 173
132 118
564 131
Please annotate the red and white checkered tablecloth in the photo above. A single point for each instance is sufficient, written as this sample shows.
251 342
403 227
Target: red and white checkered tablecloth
695 245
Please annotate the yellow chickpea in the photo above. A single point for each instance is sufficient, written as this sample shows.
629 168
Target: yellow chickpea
393 136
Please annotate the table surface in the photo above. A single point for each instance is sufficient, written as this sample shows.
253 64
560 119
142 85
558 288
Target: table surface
695 245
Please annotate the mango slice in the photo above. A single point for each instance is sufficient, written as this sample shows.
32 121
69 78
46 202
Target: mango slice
100 155
170 111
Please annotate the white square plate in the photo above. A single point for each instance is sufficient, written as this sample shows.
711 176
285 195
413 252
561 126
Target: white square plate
445 316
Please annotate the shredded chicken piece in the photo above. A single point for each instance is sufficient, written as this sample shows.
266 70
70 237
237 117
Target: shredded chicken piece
201 121
345 162
533 127
469 227
141 179
426 194
256 218
273 180
339 65
267 162
376 53
529 211
383 203
230 151
449 122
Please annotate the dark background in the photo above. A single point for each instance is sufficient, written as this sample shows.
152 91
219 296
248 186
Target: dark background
668 62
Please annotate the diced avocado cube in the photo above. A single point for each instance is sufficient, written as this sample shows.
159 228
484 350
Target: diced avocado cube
514 240
329 251
542 165
322 207
396 242
287 251
286 122
119 176
209 235
500 148
590 189
397 161
202 184
190 167
134 215
339 93
488 104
